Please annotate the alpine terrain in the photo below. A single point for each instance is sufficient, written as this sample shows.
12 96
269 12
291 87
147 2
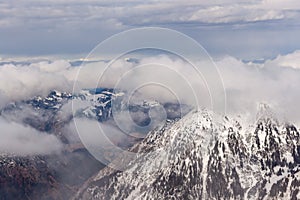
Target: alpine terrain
201 157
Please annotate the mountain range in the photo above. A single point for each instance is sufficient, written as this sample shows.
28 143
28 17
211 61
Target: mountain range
197 154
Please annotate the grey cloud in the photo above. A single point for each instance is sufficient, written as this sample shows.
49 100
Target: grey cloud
75 27
139 12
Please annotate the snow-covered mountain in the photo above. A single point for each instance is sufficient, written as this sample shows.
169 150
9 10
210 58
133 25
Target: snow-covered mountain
44 112
200 157
58 176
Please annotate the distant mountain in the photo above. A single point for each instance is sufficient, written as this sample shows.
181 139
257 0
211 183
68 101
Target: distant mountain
44 113
200 157
59 176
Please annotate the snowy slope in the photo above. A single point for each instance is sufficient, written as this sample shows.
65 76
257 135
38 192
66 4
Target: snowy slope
200 158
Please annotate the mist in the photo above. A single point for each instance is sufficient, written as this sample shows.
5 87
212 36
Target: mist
273 83
21 140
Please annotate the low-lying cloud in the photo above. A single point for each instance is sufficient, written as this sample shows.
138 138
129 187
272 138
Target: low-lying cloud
24 81
246 84
275 82
249 84
22 140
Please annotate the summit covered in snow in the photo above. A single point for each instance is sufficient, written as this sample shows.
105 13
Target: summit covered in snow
199 157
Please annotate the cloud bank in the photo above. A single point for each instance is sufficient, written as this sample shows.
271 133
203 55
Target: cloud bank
274 81
248 84
75 27
128 13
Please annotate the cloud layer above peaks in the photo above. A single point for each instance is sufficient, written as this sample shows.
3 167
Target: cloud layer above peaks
76 26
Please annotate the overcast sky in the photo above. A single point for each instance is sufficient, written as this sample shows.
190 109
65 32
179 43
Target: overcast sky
245 29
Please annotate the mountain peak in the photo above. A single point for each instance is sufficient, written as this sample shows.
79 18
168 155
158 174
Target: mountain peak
194 158
266 114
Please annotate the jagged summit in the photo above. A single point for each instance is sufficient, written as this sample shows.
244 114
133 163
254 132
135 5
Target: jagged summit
265 112
194 158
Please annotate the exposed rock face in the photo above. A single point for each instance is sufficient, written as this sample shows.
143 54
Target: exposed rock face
45 177
199 158
28 178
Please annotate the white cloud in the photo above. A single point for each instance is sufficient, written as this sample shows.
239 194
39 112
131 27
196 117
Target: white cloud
247 85
291 60
23 81
234 14
19 82
22 140
275 82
